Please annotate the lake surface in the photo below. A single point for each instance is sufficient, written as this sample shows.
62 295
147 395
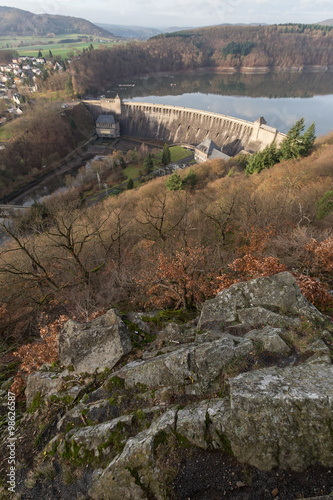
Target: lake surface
282 98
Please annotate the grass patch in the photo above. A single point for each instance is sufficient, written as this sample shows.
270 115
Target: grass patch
138 336
37 403
177 153
180 316
30 46
132 171
8 130
115 383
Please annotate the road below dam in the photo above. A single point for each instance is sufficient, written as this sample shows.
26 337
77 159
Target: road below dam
175 124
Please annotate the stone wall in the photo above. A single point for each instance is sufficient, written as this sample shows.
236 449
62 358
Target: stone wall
175 124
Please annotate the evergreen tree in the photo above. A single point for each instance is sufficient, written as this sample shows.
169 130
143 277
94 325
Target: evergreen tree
308 139
296 144
130 184
148 165
166 155
263 159
174 182
122 162
40 54
190 180
69 86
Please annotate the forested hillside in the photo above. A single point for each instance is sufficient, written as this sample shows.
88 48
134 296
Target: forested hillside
40 140
160 246
23 23
237 47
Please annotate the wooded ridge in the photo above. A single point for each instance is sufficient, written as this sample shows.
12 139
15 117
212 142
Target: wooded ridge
23 23
278 47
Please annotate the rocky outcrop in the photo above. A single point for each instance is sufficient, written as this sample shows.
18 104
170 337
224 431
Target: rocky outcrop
283 417
97 345
274 300
195 368
254 380
42 383
270 338
272 418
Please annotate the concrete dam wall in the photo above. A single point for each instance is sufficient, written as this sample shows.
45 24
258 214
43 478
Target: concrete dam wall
175 124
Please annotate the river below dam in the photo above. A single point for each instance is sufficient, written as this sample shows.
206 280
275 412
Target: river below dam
281 98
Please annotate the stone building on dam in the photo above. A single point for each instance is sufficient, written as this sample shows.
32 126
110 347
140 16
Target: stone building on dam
175 124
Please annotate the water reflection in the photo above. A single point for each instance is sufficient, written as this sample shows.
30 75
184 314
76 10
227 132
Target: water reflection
282 98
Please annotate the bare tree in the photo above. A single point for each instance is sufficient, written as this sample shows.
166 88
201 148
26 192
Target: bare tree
159 214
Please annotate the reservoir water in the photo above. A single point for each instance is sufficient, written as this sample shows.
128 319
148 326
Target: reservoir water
282 98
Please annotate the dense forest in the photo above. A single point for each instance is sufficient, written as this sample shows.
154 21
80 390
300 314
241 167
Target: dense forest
39 147
236 47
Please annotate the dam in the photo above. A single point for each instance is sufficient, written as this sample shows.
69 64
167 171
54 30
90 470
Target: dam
175 124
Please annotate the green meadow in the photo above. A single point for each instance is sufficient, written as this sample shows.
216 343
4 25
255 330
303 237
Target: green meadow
30 46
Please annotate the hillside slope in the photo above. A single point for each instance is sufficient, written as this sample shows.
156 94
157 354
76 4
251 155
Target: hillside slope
24 23
327 22
232 48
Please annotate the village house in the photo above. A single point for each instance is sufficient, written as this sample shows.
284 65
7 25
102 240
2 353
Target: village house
57 67
16 98
208 150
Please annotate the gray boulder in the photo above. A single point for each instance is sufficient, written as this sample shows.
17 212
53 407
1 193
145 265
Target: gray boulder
271 339
196 368
98 344
93 436
283 417
273 300
44 384
321 353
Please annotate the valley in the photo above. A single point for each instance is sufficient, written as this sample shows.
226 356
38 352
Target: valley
166 310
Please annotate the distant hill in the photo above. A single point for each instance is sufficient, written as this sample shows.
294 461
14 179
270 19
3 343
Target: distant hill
137 32
19 22
131 32
144 32
328 22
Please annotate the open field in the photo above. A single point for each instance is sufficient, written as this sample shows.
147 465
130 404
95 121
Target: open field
59 44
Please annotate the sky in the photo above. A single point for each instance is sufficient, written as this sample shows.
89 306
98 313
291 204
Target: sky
183 13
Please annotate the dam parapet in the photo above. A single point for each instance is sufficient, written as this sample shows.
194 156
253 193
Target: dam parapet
172 124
